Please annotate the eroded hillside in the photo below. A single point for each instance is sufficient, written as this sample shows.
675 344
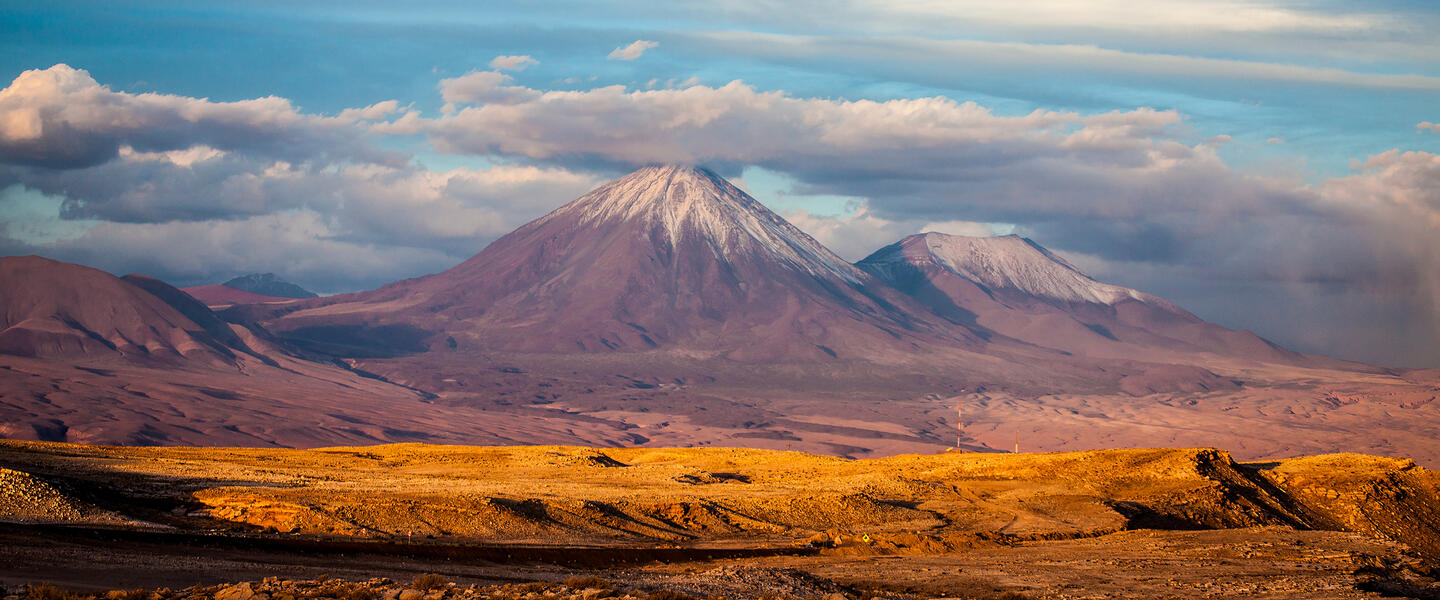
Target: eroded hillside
1104 524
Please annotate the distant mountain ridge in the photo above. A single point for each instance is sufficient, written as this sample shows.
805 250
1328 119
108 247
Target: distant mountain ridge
268 284
255 288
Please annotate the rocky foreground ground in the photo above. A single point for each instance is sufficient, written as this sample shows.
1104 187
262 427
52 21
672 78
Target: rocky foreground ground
769 583
519 522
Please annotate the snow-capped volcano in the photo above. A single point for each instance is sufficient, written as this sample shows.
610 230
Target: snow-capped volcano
1013 286
668 256
680 204
1006 262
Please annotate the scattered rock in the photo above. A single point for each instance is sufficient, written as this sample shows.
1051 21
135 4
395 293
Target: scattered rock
240 591
778 580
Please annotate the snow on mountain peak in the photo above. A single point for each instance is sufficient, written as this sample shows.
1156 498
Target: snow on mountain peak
683 201
1016 263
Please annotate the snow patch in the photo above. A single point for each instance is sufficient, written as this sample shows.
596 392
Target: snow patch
684 201
1017 263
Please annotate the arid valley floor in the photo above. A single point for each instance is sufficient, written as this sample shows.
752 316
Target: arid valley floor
737 523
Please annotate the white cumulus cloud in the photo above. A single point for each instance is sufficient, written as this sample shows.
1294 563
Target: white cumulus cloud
633 51
512 63
61 117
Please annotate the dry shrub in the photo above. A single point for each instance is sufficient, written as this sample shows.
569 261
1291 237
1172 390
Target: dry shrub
135 594
357 592
534 586
45 591
668 595
430 581
588 582
339 588
997 595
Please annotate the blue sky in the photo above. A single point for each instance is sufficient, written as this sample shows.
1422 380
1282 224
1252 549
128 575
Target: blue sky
1223 154
331 56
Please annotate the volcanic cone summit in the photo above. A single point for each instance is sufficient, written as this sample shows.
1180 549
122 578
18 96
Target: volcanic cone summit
666 256
679 204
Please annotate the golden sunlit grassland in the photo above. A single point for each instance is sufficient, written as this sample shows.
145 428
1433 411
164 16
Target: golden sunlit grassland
818 513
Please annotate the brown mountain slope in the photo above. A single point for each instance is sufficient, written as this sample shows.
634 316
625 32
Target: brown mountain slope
52 309
86 356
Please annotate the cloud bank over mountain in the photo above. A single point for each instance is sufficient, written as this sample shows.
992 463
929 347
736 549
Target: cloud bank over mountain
185 188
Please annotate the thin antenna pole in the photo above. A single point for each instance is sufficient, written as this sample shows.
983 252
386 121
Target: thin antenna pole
1017 441
959 421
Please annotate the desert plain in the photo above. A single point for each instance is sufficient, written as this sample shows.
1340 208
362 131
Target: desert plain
712 522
